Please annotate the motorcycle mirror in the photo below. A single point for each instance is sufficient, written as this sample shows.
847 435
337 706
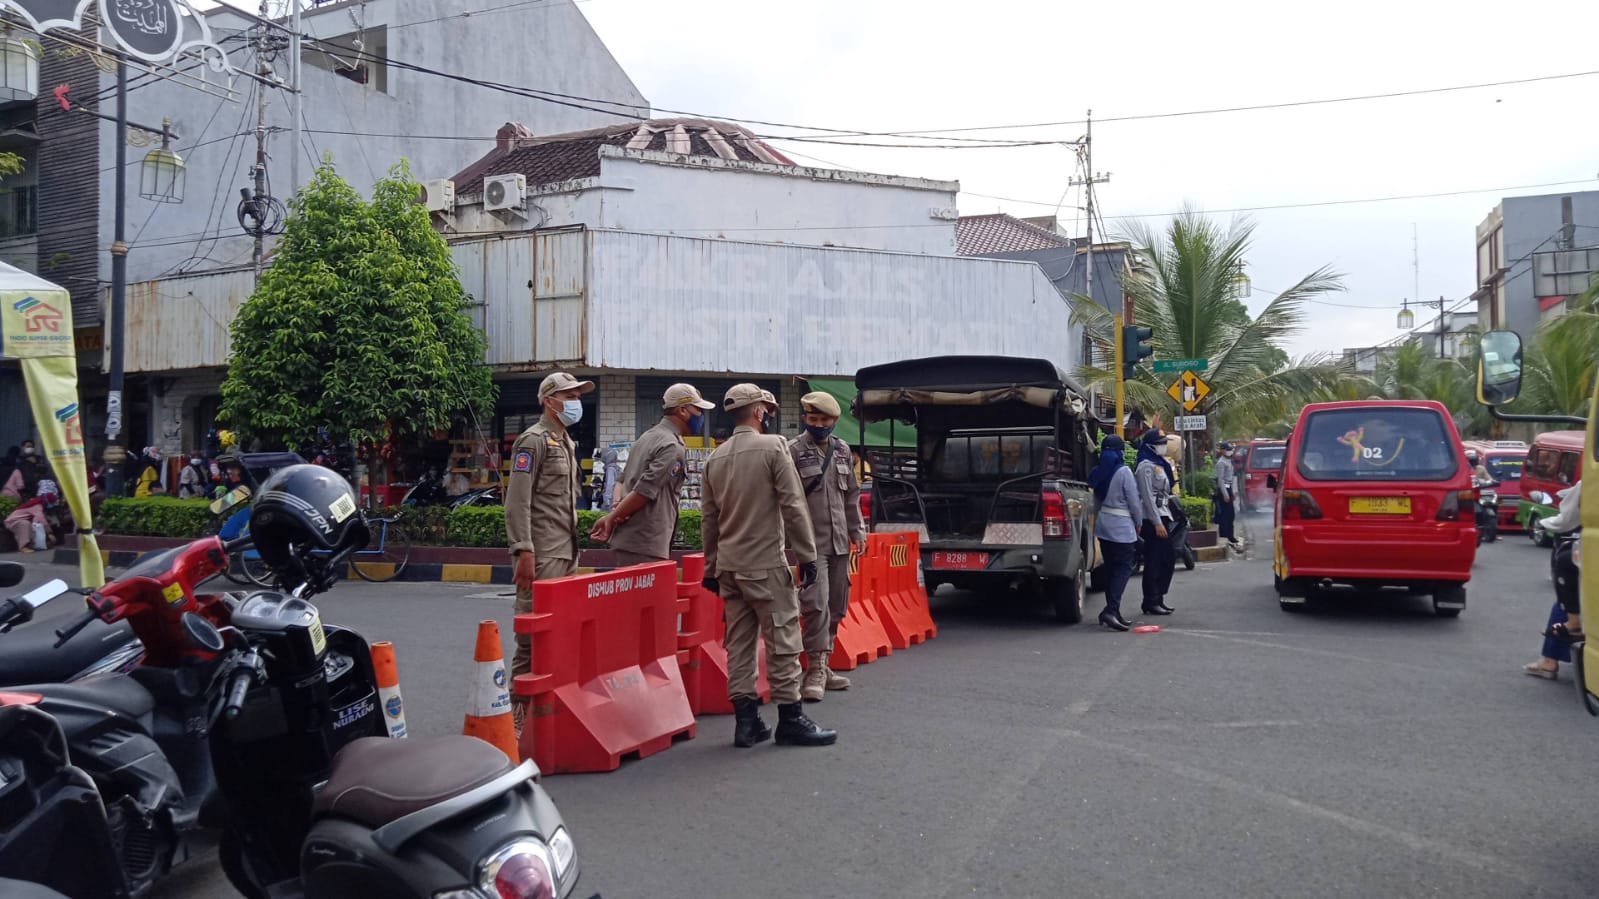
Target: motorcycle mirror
202 633
11 573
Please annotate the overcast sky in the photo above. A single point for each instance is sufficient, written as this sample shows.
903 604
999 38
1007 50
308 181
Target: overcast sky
881 65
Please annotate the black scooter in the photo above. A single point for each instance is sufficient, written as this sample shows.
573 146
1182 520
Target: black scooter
311 800
1487 514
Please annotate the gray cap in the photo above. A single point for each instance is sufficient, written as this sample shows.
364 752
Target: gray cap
560 381
684 395
741 395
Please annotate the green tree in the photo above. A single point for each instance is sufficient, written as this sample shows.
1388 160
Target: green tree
1413 371
1558 369
1183 289
359 325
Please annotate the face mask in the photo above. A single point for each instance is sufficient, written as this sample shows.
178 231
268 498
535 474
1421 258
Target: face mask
195 462
819 433
696 424
571 412
768 422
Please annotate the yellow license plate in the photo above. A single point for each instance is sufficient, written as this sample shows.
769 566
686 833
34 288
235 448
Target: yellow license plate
1379 505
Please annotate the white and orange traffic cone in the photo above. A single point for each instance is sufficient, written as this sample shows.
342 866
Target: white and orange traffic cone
488 714
388 676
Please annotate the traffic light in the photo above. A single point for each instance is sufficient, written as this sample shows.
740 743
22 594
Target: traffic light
1135 347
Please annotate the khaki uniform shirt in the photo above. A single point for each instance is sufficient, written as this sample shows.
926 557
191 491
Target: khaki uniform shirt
833 496
655 472
541 500
751 500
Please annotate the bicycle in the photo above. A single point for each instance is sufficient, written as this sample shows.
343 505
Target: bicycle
386 553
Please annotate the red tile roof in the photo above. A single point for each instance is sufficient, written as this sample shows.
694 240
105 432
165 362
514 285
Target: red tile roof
554 158
977 235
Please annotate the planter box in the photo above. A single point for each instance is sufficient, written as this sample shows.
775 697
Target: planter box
1203 539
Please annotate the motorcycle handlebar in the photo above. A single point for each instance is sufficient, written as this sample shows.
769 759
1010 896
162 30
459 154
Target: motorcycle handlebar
78 624
237 543
239 685
13 612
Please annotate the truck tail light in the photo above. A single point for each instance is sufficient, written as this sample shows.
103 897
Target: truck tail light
1055 523
866 507
1299 504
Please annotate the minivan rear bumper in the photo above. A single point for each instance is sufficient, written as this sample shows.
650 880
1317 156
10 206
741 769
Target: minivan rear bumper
1393 555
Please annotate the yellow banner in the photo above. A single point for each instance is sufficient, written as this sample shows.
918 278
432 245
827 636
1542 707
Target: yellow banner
36 323
53 393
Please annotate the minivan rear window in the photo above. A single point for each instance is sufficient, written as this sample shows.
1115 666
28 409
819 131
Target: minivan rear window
1270 457
1505 468
1377 443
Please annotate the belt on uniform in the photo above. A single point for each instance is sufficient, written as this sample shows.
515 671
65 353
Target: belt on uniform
1111 510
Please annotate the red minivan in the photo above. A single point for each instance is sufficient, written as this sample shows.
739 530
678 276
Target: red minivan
1375 493
1263 457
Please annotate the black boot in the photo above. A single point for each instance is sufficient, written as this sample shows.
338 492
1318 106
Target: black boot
748 728
794 729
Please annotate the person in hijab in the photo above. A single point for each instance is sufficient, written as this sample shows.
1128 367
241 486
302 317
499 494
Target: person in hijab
149 480
31 512
195 479
1154 476
1118 515
11 473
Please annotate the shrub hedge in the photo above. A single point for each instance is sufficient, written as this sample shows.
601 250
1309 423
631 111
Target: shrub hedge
8 504
1198 510
154 516
485 526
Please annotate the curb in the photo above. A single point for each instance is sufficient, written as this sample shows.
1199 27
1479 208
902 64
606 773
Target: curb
415 572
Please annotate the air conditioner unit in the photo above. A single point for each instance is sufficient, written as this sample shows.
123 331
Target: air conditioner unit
439 195
505 192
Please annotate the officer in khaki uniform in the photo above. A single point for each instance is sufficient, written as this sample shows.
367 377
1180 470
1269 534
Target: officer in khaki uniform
541 505
751 500
639 529
834 497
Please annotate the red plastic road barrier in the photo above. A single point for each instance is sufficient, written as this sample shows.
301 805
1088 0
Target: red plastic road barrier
605 680
1148 629
701 654
861 637
901 601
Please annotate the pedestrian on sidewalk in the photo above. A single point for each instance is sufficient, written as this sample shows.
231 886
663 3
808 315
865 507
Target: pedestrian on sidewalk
640 528
1154 478
1225 499
834 500
541 507
1118 514
752 510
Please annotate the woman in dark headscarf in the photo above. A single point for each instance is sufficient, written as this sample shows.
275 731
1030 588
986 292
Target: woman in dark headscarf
1154 478
1117 516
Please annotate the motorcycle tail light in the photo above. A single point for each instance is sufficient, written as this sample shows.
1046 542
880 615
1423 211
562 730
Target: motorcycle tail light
519 870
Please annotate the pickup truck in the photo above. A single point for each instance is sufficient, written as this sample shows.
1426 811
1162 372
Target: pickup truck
991 474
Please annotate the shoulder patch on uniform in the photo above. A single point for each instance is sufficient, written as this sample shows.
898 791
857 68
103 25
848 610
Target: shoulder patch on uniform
524 461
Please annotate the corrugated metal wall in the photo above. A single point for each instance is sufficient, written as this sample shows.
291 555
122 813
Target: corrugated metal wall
180 323
531 290
691 304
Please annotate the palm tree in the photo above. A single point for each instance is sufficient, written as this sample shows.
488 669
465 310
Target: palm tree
1183 288
1412 372
1558 373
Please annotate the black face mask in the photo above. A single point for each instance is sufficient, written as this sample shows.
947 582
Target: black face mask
768 423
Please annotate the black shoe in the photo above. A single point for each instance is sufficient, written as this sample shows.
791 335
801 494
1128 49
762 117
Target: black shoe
1157 609
748 728
794 729
1112 621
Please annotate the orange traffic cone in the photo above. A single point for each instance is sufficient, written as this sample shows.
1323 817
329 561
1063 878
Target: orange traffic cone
388 675
488 714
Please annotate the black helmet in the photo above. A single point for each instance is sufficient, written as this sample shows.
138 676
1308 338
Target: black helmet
299 510
1225 446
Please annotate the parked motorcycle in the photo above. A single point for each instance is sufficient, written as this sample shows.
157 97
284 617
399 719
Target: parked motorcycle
252 693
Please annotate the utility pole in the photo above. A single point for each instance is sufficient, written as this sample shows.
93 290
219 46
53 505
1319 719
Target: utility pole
119 288
296 101
263 68
1088 180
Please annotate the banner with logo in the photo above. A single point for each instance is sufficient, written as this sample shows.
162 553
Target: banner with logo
36 324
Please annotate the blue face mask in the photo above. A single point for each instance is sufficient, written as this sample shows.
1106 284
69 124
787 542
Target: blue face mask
696 425
819 433
571 412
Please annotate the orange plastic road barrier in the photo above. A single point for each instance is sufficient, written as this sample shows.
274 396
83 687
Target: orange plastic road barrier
1148 629
605 681
488 710
901 601
700 652
861 637
388 678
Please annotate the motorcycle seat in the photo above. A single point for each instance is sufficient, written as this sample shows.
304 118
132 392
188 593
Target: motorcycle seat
28 654
117 692
376 780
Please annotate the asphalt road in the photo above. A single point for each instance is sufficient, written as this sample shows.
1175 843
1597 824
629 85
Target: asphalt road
1365 748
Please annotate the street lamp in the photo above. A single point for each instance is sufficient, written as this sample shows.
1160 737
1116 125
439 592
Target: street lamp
1407 319
19 69
161 174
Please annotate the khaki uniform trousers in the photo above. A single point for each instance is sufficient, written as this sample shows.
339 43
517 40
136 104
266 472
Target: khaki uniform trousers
624 558
756 605
824 603
543 569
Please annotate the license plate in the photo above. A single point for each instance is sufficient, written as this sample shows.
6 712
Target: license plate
1379 505
960 560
